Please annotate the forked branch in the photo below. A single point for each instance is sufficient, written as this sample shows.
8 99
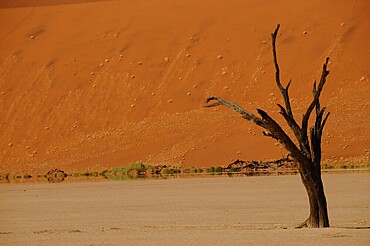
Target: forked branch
316 97
286 111
284 91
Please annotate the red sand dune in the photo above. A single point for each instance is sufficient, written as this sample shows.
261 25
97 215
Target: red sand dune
106 83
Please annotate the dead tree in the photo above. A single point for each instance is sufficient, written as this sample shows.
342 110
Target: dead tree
307 153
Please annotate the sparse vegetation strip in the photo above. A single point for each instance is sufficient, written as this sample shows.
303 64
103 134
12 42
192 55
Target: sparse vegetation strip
139 170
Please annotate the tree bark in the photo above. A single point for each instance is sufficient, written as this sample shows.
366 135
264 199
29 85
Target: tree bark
318 216
307 155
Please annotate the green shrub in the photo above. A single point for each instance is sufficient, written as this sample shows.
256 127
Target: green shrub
120 171
234 170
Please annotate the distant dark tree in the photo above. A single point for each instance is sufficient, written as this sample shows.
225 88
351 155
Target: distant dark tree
307 153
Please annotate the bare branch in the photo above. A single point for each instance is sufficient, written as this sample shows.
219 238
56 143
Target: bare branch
287 112
315 146
274 130
324 122
288 85
316 134
291 122
212 105
284 91
315 102
269 134
278 133
277 69
316 97
246 115
319 115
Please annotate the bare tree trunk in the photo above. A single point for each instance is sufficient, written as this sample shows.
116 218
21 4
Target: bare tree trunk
307 155
318 216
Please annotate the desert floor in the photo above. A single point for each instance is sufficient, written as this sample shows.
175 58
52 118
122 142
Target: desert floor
205 211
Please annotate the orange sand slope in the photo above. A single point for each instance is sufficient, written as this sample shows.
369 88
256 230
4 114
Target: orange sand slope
107 83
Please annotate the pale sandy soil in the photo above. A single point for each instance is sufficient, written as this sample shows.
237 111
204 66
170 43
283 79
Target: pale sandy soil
98 84
200 211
